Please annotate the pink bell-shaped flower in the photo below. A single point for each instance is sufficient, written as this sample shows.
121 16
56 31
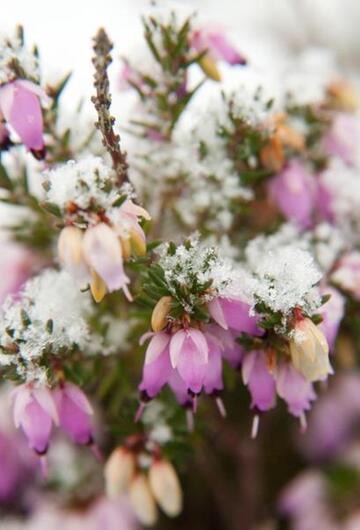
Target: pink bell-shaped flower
35 412
235 314
259 380
297 391
157 367
189 354
21 109
217 46
75 413
293 192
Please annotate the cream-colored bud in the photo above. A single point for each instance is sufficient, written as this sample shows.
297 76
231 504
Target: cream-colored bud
69 246
97 286
118 472
138 243
166 488
209 67
125 247
309 351
344 96
160 313
142 500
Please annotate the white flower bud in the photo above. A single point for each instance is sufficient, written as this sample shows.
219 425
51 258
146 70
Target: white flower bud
166 487
309 351
118 472
71 253
142 500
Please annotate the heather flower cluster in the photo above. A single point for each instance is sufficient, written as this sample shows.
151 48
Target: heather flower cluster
227 213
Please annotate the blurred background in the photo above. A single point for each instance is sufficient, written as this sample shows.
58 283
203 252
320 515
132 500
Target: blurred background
63 30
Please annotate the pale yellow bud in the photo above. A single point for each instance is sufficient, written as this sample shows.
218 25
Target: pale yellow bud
160 313
165 486
142 500
344 96
138 243
118 472
125 247
209 67
69 245
309 351
97 286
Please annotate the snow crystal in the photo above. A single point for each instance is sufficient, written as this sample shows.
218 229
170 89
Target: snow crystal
51 315
12 50
285 276
86 182
194 264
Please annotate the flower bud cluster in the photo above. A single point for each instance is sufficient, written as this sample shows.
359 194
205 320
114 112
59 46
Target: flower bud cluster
102 224
138 469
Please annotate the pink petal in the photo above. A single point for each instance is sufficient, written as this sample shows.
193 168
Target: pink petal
145 337
176 345
37 426
179 388
213 376
156 374
133 209
217 313
73 419
156 346
25 117
102 252
199 340
22 397
294 389
46 401
76 395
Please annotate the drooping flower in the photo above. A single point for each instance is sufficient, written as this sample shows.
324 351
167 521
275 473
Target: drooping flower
213 382
231 349
309 351
157 367
189 354
103 254
74 412
102 224
259 380
295 390
20 107
217 46
293 192
35 412
235 314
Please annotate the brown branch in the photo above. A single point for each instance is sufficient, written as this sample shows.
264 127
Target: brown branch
102 101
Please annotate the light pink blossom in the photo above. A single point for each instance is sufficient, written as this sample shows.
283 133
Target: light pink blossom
74 411
259 380
20 107
35 412
293 191
217 46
